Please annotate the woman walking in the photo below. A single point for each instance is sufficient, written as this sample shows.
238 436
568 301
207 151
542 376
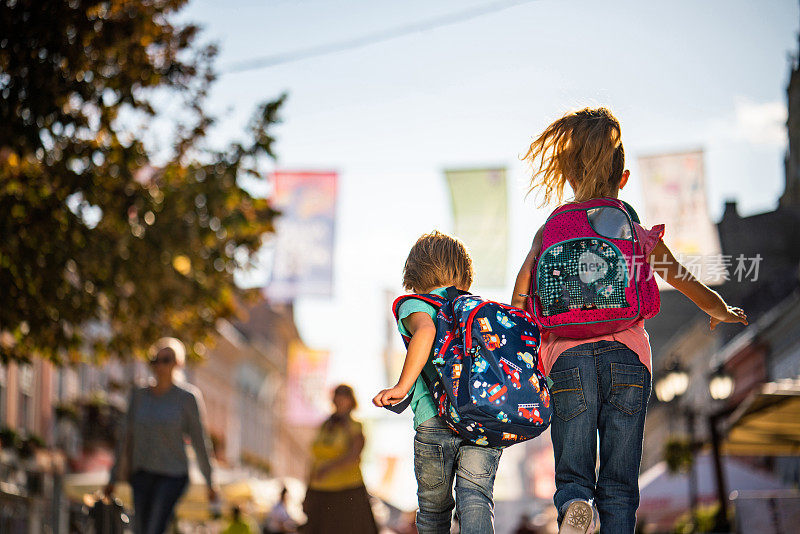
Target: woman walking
152 448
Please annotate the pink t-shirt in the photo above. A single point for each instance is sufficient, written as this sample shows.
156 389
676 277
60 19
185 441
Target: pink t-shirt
635 337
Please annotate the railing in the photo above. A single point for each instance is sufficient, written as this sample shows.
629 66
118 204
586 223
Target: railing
14 513
30 500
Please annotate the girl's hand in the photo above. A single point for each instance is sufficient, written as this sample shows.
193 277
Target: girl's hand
390 396
727 315
704 297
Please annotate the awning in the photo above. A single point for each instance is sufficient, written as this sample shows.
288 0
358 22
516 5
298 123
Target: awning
664 496
767 423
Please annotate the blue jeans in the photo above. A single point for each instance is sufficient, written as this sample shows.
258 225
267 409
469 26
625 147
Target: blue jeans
440 457
154 499
600 389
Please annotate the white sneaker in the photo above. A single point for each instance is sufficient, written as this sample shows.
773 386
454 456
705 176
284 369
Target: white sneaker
578 519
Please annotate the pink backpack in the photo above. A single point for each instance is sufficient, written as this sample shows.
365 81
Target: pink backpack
591 277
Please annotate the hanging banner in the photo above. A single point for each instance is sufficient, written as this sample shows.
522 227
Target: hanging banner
307 398
675 195
480 216
303 240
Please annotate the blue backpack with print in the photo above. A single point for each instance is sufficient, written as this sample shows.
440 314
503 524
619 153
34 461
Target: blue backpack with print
489 387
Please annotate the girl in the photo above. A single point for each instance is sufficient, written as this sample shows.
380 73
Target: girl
601 383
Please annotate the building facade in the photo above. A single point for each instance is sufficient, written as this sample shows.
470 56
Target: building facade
766 350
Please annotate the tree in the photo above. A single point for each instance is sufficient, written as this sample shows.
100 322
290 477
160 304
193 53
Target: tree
105 240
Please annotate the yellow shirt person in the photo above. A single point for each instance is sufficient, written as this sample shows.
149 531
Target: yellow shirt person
331 443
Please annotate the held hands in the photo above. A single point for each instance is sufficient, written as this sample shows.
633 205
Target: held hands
390 396
727 315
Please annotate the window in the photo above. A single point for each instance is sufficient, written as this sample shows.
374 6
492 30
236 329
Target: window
26 397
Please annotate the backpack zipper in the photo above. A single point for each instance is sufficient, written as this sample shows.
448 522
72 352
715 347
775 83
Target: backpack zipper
468 326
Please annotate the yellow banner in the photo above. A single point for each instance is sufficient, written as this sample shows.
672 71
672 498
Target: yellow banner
480 217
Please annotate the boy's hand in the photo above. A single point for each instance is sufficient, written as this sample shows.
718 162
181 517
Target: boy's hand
423 333
727 315
390 396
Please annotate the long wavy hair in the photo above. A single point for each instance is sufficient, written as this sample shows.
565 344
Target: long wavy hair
583 149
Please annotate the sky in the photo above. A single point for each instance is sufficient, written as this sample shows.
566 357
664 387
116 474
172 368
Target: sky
391 116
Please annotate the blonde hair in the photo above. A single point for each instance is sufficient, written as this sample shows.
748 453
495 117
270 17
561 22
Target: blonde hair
174 344
436 260
582 148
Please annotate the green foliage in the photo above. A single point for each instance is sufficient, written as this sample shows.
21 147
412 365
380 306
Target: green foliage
25 445
704 520
9 438
66 411
678 455
103 241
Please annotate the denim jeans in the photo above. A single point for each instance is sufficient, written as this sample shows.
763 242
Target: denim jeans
599 388
441 458
154 498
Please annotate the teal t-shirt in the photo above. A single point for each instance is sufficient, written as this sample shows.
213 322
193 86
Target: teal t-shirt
421 400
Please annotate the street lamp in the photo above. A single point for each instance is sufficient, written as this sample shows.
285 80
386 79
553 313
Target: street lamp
721 385
672 385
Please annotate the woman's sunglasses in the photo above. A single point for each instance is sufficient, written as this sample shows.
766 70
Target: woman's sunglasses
163 359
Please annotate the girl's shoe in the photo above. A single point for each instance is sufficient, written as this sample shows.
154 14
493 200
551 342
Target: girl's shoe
578 519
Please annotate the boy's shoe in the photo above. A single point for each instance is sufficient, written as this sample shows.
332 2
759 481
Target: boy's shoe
578 519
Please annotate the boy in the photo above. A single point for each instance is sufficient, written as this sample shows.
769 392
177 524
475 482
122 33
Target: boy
438 261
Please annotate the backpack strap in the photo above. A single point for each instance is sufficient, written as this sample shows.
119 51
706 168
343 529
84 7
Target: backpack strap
453 293
434 300
437 302
631 212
